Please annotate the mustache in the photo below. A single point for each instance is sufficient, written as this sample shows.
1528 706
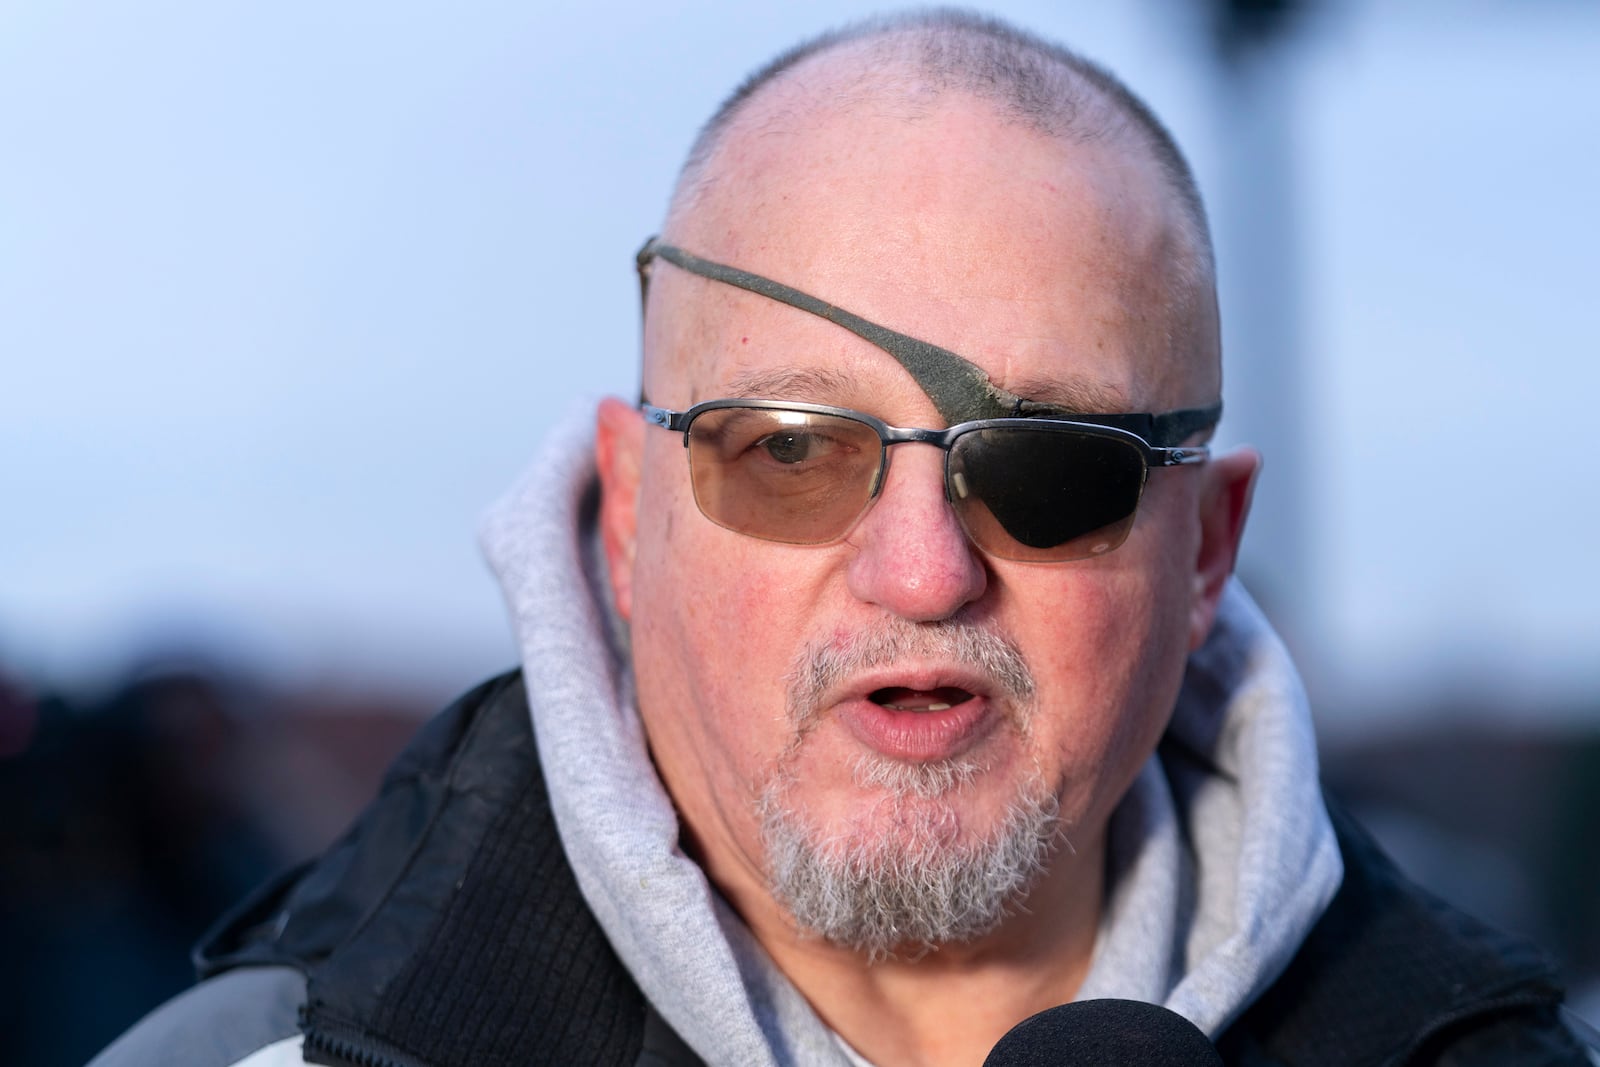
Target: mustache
823 666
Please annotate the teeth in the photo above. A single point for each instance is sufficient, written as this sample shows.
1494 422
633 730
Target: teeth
918 707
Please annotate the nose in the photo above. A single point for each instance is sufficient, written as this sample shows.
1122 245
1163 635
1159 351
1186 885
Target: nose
913 558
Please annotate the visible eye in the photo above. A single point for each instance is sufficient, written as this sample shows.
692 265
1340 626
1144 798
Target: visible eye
791 446
775 442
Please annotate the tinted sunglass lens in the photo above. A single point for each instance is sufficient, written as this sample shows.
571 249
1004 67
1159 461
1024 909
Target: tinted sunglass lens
782 475
1038 494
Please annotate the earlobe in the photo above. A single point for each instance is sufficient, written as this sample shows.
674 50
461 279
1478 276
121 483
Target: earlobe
1224 505
619 453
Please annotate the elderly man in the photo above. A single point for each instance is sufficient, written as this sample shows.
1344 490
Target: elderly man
887 684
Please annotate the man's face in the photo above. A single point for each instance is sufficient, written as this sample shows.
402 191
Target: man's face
899 693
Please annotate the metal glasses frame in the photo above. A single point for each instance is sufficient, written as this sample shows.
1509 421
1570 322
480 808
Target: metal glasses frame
1096 425
1115 426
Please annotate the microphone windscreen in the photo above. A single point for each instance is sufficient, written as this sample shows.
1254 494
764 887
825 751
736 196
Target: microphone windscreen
1104 1033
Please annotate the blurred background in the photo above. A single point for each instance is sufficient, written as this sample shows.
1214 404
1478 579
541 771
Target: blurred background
290 292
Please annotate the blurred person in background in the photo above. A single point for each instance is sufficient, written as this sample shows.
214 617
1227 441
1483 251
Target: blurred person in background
838 742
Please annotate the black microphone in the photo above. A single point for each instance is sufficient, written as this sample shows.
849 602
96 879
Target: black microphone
1104 1033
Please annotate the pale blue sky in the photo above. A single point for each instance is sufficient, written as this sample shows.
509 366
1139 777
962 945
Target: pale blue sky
289 293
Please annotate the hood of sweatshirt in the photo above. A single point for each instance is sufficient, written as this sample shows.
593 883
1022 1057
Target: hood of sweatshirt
1221 856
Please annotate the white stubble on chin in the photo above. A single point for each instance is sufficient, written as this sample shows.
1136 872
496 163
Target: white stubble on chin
907 872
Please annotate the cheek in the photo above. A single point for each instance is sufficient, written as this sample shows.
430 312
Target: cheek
1109 672
717 623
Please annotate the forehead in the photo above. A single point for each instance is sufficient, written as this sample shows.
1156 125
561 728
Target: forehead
1042 261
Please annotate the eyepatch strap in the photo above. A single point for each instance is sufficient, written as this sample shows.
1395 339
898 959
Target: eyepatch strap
959 390
1166 430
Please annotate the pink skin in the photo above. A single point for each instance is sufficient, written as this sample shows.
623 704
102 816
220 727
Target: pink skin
1036 260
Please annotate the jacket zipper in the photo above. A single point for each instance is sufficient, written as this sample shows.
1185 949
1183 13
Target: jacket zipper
351 1051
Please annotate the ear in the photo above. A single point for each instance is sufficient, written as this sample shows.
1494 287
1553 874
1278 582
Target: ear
1224 504
618 454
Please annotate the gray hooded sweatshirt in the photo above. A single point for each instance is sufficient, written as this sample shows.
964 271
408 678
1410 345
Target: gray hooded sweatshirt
1218 866
1215 876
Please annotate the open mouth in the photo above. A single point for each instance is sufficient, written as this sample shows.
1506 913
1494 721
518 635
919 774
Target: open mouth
896 698
921 724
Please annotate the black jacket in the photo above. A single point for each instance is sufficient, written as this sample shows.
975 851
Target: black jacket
445 929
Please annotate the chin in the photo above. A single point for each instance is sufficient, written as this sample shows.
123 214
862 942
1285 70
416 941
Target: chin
924 855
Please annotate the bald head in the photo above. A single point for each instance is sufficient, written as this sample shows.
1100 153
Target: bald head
911 71
915 57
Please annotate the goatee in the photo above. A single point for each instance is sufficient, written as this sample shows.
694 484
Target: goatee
907 876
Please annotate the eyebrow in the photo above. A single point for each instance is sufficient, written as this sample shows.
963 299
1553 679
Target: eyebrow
1076 395
1046 397
793 383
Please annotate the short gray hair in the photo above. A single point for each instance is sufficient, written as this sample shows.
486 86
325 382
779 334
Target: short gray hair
1044 85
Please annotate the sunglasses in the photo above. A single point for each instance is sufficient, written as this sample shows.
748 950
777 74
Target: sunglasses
1042 490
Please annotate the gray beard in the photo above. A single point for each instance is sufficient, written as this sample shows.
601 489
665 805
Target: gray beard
909 882
914 886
